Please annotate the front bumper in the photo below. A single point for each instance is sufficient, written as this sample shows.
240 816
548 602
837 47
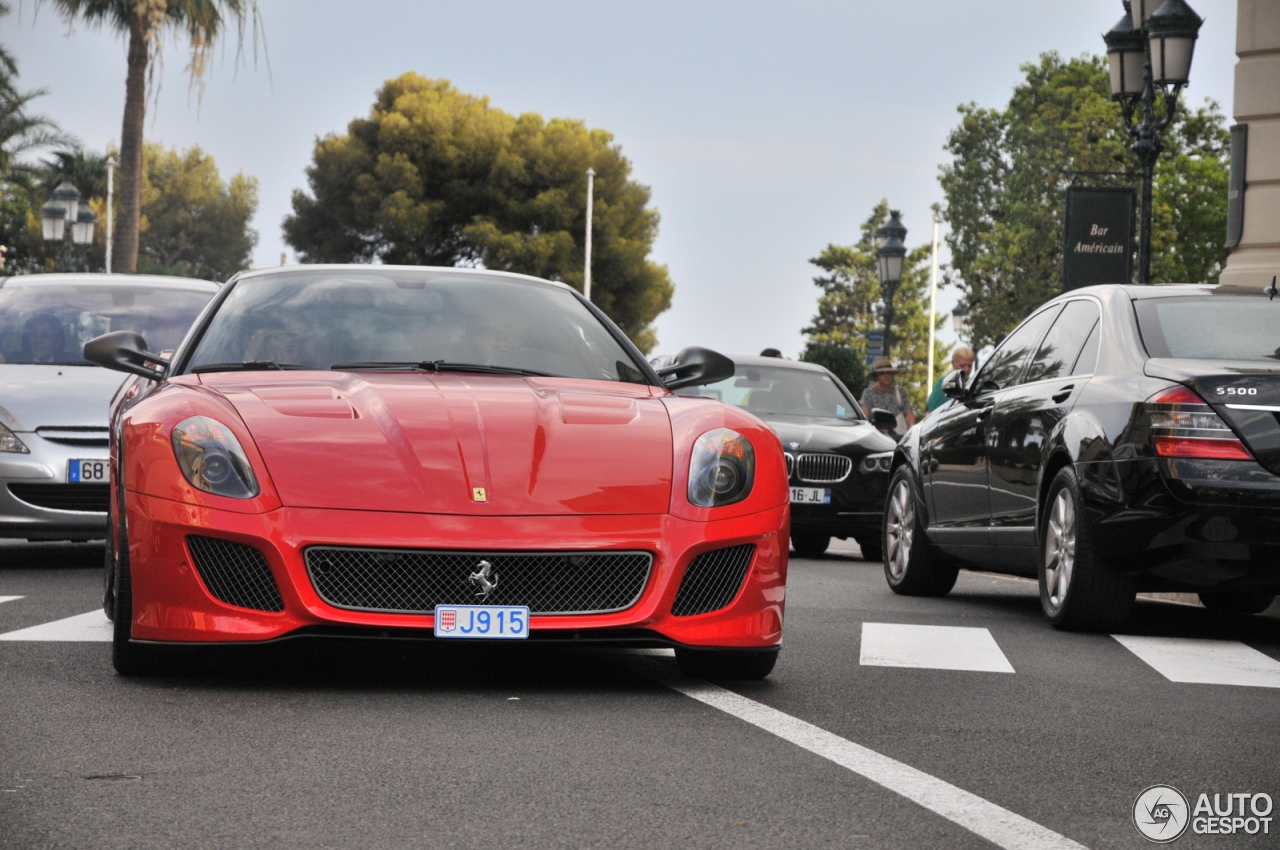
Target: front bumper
172 605
46 465
856 508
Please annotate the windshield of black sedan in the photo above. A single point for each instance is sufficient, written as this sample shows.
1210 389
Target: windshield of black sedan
50 322
356 319
1211 327
787 392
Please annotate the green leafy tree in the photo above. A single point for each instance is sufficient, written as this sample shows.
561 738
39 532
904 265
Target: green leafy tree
437 177
145 24
843 361
852 304
1006 187
193 222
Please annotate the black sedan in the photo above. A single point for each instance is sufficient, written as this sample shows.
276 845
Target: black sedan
838 462
1121 439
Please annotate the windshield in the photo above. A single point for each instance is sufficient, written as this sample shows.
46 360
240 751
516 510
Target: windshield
51 322
1211 327
356 319
789 392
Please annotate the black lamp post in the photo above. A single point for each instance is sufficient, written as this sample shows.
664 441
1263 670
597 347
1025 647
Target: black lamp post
65 209
1149 53
889 260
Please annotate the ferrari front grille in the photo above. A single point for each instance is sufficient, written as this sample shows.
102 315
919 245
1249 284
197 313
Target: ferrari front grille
823 468
415 581
712 580
89 498
235 573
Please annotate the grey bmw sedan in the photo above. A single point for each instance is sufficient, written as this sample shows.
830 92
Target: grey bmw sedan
54 471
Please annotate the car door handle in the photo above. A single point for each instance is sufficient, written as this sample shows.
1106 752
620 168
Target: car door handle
1063 394
985 413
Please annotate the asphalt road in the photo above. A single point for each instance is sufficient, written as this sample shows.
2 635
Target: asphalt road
410 746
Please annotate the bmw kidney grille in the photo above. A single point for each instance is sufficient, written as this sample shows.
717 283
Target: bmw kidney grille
823 468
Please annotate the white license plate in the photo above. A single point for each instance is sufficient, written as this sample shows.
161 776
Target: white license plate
510 622
88 471
810 495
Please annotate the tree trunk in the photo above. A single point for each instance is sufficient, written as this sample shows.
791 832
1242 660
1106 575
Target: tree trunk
125 249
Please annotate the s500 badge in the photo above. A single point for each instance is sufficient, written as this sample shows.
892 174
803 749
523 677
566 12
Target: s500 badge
1237 391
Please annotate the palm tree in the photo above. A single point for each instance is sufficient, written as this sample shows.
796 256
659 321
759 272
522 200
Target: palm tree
21 133
145 22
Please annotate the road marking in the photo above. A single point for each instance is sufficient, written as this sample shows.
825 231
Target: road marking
93 626
982 817
1205 662
9 598
935 647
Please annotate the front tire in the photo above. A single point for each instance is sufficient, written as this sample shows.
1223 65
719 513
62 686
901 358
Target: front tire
1077 590
726 663
810 544
1236 602
912 565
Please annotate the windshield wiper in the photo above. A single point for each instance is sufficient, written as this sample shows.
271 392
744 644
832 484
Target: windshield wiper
438 366
245 366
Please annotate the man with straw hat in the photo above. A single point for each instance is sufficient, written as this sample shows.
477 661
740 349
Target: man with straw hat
883 394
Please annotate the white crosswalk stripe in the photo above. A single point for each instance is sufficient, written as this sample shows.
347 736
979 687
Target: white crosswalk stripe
1205 662
934 647
92 627
9 598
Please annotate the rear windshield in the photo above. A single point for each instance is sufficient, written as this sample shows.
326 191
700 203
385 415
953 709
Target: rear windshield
51 322
789 392
1211 327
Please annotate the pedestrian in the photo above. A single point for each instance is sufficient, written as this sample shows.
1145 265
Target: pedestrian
882 393
962 360
771 352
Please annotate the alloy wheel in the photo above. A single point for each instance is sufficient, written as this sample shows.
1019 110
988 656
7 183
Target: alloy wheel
1060 548
899 529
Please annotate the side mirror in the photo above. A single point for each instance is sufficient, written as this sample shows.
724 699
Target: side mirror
694 366
125 351
953 385
883 419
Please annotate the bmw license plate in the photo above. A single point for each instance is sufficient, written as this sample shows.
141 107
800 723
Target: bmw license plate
810 495
88 471
482 621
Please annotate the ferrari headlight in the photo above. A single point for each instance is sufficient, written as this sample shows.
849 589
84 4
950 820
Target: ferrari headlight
212 459
9 442
722 469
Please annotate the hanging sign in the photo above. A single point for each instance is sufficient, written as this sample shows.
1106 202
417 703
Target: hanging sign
1099 236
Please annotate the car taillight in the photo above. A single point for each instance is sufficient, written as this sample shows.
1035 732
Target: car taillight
1182 425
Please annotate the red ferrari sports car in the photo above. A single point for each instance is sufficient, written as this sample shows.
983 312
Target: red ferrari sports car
439 453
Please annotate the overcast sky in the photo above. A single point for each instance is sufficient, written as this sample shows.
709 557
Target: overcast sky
766 130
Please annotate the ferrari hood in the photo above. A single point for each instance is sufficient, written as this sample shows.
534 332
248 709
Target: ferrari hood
40 396
809 434
455 443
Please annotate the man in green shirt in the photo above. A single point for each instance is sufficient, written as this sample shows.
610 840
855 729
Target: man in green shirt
961 359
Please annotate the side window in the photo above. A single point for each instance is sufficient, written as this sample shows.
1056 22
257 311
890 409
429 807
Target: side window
1005 365
1061 346
1088 359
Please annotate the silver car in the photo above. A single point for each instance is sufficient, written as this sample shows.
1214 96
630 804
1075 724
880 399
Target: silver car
54 472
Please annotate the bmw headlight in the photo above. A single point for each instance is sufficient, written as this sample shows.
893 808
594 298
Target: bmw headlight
9 442
212 459
879 462
722 469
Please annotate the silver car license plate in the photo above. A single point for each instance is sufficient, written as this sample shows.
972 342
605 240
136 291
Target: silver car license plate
509 622
88 471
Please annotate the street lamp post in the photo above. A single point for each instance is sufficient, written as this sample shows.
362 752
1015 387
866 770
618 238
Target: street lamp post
66 208
889 260
1149 53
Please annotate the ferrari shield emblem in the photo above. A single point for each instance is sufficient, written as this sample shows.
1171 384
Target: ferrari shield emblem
477 494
